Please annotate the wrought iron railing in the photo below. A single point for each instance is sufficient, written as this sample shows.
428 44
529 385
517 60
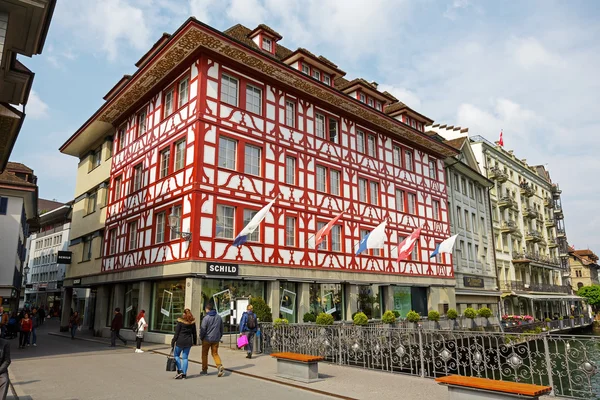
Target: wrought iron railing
534 235
507 201
540 258
497 173
548 202
566 363
547 287
526 189
508 226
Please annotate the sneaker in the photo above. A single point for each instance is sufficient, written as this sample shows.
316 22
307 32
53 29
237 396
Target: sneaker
203 373
34 345
27 344
184 376
140 351
221 371
179 375
249 356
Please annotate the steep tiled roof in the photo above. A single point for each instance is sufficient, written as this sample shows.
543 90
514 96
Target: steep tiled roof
8 177
18 167
456 143
268 29
390 108
240 33
48 205
328 62
391 96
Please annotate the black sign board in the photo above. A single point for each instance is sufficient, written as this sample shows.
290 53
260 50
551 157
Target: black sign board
77 281
29 286
41 289
473 281
64 257
222 269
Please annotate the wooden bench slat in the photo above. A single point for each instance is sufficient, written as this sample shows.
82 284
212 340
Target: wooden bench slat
297 357
526 389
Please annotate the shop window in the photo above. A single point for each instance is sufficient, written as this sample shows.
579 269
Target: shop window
168 303
369 301
132 296
112 304
288 307
327 298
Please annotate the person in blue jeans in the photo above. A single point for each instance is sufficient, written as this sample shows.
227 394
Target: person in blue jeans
36 322
248 327
185 337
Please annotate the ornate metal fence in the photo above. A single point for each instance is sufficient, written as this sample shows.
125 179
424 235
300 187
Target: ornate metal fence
567 363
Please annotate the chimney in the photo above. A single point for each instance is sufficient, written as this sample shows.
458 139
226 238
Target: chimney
374 84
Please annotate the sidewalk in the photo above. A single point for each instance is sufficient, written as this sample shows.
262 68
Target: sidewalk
338 381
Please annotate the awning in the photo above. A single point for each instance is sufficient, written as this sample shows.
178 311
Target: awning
477 293
549 297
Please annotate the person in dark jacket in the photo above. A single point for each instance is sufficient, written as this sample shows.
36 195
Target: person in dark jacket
115 327
35 318
185 337
4 363
74 324
26 327
211 332
248 327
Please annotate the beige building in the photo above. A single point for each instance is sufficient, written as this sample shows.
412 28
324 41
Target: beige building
584 268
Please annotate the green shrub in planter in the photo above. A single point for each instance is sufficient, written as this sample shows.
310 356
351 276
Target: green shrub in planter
309 317
451 313
470 313
388 317
324 319
280 322
484 312
433 316
548 320
560 318
261 309
571 317
396 314
413 316
581 316
360 319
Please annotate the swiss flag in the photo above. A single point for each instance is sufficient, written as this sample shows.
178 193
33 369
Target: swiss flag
324 231
406 247
501 141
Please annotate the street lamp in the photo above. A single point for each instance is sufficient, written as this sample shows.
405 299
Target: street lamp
175 224
26 271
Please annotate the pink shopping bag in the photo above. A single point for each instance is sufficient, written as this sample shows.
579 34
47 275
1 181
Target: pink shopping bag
242 341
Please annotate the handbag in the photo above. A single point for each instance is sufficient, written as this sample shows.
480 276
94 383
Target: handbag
171 364
242 341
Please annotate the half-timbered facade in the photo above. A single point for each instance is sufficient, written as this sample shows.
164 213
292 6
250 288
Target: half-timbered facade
212 127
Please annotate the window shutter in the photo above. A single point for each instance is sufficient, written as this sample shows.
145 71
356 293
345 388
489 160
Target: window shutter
3 205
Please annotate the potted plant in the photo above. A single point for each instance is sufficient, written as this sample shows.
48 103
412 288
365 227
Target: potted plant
572 320
414 317
309 317
434 316
280 322
360 319
261 309
470 313
485 313
388 318
452 315
324 319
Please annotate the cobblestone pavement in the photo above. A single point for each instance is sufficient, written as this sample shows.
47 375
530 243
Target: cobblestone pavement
63 369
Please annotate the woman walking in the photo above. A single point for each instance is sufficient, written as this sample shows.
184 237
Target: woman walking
185 337
74 323
141 327
26 327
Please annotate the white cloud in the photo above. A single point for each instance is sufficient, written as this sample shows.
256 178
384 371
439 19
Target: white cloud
250 11
452 10
35 107
529 53
201 10
404 95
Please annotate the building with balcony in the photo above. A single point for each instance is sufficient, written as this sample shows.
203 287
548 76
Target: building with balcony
584 268
529 235
212 127
18 210
470 218
23 28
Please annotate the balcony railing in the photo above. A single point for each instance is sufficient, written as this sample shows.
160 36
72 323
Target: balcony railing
552 242
508 226
558 212
527 257
507 202
534 287
529 212
556 190
548 202
550 222
534 236
560 232
497 174
526 190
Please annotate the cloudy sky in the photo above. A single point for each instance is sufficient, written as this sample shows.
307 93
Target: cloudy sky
528 67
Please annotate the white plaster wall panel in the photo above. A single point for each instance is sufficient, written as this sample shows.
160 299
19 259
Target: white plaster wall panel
213 70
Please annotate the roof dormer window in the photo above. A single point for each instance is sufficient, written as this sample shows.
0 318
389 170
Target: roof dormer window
267 44
371 104
305 69
361 97
378 106
327 79
317 74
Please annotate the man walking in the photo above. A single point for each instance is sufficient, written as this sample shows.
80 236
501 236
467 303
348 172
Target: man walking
248 327
211 332
115 327
4 363
35 320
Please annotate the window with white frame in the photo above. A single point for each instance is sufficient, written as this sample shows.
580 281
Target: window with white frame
254 99
184 91
371 146
169 99
436 210
432 168
179 155
165 157
400 199
290 113
290 170
227 151
333 130
320 125
336 238
378 106
362 98
133 235
411 200
252 160
408 160
225 221
141 121
176 210
374 193
327 79
397 156
306 69
121 139
360 141
323 244
267 44
96 157
248 215
321 178
138 177
290 231
371 103
334 182
92 201
363 233
160 228
229 90
317 74
362 190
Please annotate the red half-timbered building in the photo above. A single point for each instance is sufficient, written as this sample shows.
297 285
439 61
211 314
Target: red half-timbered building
214 125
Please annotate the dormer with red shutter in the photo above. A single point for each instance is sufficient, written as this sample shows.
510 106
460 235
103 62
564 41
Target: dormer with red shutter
407 115
365 92
265 38
318 67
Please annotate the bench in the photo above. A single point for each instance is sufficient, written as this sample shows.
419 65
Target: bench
471 388
298 367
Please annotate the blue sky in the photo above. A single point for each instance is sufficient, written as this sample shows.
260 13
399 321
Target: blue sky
529 68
